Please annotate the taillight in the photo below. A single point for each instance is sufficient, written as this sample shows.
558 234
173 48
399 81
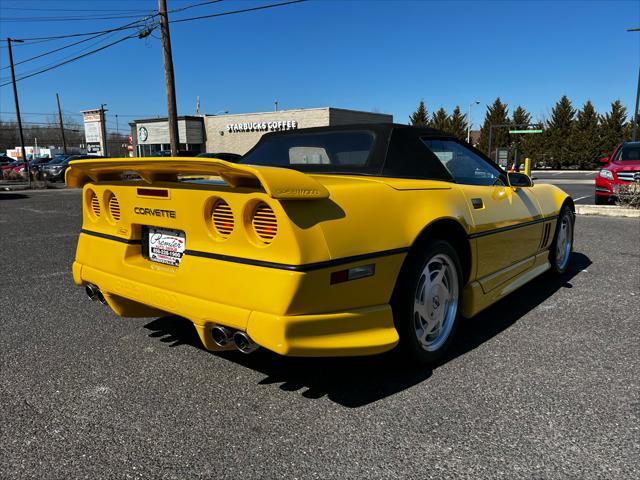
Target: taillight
264 222
222 217
114 208
94 203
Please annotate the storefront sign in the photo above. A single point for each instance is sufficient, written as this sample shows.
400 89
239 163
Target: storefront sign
143 134
262 126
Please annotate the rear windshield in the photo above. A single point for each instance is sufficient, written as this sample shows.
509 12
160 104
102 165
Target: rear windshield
325 151
629 153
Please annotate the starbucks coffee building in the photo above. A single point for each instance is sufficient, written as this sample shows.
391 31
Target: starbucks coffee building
238 133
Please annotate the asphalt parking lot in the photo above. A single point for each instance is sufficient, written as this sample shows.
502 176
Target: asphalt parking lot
544 384
579 184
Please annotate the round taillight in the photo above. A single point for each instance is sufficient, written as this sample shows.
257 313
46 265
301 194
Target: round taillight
264 222
114 208
94 203
222 218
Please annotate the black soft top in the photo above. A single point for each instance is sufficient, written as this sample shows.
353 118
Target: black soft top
397 151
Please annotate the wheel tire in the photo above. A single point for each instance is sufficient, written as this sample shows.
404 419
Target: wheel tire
560 255
601 201
417 303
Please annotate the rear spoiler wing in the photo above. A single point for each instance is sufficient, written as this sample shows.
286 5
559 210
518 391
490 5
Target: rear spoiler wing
279 183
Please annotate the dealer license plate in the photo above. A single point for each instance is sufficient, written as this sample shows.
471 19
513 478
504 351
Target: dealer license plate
166 246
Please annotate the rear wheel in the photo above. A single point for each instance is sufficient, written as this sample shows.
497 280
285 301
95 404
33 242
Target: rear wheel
562 245
426 302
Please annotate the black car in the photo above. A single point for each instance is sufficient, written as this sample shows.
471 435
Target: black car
181 153
54 170
229 157
36 164
4 160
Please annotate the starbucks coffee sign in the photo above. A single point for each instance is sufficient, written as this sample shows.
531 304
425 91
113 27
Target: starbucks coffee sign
262 126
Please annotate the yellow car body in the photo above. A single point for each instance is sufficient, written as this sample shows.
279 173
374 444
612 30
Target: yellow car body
279 289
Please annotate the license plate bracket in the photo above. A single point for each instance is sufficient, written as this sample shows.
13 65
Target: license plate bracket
163 245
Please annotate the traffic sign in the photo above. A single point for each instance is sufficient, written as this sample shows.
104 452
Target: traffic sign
526 131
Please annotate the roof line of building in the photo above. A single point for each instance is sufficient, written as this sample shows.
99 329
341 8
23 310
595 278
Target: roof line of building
196 117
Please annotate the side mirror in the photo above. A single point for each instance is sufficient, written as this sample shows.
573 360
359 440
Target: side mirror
604 160
518 180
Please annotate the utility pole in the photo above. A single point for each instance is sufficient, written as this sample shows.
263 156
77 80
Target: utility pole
64 141
169 78
103 128
635 111
469 121
27 167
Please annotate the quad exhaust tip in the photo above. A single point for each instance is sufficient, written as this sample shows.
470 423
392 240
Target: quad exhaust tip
222 336
94 293
244 343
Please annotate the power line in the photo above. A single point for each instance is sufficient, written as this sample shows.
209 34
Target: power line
128 26
55 50
78 57
64 19
252 9
24 74
124 27
71 9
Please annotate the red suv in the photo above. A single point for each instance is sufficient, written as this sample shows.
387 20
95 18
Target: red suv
622 168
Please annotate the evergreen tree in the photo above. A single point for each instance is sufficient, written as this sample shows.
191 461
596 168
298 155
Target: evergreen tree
519 118
497 114
558 135
586 137
419 118
440 120
614 129
458 124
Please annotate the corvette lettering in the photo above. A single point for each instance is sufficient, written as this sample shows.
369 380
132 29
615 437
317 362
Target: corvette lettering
303 192
155 212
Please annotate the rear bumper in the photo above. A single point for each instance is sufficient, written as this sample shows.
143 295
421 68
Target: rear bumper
275 319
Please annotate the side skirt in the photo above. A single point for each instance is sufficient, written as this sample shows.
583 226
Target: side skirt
475 300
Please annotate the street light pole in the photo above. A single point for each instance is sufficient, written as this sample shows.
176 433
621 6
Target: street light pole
469 120
27 168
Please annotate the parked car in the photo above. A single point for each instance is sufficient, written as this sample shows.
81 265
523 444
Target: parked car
328 241
9 171
34 166
181 153
55 170
229 157
621 168
4 160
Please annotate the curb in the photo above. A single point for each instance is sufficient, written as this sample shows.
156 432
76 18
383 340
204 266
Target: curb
607 211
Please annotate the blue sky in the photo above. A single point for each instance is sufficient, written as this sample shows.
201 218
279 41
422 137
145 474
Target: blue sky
366 55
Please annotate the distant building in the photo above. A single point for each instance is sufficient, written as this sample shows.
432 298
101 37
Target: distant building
238 133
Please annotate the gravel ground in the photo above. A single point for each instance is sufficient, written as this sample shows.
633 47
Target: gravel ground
542 385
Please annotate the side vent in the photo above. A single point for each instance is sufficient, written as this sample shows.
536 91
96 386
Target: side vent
114 208
222 217
545 235
95 204
264 223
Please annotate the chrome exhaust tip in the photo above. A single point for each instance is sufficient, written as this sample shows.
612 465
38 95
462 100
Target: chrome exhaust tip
221 336
244 343
94 293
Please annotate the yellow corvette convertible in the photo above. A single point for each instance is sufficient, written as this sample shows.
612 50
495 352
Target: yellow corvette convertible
326 241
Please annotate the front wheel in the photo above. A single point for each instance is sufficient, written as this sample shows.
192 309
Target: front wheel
562 245
426 302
